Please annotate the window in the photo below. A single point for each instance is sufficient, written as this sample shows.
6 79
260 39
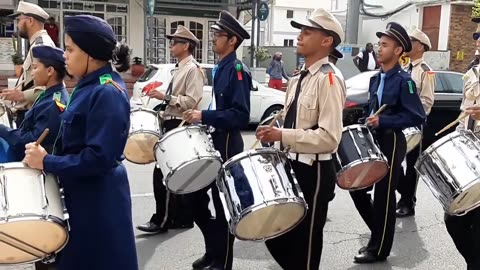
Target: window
288 43
451 83
208 74
148 74
156 41
289 14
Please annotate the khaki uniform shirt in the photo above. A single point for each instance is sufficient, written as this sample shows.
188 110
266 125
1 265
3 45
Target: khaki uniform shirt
188 82
39 38
471 95
424 79
320 102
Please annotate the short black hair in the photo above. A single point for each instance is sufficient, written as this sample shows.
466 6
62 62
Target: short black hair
239 41
191 47
58 66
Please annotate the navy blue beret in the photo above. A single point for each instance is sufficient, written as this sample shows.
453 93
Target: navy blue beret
48 53
226 22
92 34
397 32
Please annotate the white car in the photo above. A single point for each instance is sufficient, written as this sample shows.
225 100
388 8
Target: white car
264 101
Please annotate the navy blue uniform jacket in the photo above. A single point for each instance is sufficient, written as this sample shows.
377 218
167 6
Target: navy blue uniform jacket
97 195
400 94
232 96
44 114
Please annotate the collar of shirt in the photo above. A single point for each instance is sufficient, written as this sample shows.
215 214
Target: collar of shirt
227 59
185 61
93 76
50 91
397 68
317 65
417 62
37 34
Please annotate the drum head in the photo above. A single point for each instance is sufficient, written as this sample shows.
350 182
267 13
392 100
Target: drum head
193 175
362 174
20 241
270 221
466 201
140 148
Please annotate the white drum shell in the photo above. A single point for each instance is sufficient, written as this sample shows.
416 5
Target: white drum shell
32 210
188 159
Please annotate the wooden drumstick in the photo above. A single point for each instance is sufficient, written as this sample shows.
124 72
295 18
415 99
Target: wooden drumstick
384 106
451 124
40 140
275 119
42 137
194 108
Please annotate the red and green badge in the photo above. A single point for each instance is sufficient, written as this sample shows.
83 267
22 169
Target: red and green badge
239 68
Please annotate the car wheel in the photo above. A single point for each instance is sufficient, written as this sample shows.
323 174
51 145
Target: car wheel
271 111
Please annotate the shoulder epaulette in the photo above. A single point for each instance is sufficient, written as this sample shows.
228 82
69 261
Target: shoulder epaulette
327 68
38 40
425 67
107 79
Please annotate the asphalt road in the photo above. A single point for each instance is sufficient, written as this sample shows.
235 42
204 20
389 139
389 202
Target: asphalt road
421 242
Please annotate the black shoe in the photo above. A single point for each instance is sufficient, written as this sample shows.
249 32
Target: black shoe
151 227
368 257
362 249
205 262
405 211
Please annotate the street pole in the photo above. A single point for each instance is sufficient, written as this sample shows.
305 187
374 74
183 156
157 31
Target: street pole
252 37
145 29
258 26
353 18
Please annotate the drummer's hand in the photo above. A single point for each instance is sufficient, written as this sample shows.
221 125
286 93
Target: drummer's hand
373 121
12 95
155 93
192 116
474 111
34 156
268 134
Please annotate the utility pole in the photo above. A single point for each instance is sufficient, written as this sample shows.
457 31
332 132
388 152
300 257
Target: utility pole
353 18
252 36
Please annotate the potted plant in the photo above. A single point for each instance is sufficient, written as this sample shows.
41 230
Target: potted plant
17 61
258 73
137 67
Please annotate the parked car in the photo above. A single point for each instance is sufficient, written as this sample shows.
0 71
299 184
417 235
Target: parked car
446 107
264 101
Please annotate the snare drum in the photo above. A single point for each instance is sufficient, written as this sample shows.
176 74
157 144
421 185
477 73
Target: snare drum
33 217
260 194
413 136
278 123
361 162
145 131
451 169
188 159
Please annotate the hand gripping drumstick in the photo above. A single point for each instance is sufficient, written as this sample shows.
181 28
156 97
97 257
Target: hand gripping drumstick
40 139
277 117
194 108
451 124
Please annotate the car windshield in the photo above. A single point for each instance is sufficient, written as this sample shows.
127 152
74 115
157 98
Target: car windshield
148 74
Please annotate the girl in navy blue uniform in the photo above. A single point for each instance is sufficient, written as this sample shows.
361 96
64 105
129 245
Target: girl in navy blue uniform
48 71
89 164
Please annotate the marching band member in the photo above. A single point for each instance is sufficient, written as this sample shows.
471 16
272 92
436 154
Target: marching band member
228 113
312 130
30 23
185 89
424 79
394 87
89 164
465 230
48 71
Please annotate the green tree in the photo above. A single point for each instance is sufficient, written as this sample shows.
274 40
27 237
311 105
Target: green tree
476 9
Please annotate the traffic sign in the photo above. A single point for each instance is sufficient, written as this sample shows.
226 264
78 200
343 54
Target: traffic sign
263 10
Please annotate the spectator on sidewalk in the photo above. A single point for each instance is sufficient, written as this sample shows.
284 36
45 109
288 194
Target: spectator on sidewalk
52 30
276 70
366 60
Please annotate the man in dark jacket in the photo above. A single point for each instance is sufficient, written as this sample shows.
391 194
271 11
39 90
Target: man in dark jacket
366 60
